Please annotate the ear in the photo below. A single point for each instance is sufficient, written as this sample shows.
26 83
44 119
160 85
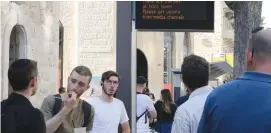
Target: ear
101 83
33 82
249 56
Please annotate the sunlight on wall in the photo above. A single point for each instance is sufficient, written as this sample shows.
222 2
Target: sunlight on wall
266 13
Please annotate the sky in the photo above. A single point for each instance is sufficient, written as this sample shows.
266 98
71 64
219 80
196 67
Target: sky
266 13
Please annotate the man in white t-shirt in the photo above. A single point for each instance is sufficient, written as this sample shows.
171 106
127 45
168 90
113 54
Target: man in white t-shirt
144 107
109 111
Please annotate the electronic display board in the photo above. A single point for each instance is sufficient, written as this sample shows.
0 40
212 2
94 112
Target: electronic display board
190 16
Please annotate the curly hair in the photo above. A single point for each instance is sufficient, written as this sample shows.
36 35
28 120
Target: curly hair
195 72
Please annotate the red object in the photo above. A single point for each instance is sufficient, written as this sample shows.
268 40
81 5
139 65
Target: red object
168 86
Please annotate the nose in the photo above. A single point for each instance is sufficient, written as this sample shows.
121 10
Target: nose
74 87
112 85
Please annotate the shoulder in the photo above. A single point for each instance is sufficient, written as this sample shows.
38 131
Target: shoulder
226 87
159 102
49 98
37 115
144 97
88 106
48 102
174 106
181 111
93 100
119 102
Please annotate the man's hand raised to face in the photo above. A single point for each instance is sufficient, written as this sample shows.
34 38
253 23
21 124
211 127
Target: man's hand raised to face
69 102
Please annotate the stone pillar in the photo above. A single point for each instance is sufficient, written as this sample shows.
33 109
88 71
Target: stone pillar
69 20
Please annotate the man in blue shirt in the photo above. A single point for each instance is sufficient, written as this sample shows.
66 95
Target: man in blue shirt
182 99
243 105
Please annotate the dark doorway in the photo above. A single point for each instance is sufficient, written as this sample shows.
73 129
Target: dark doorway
60 57
17 46
142 64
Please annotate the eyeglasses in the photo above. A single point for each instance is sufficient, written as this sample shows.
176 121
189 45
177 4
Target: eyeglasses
256 30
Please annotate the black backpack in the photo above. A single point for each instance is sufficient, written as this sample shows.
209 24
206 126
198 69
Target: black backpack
86 108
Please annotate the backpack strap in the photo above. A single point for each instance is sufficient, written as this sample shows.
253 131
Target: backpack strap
137 118
144 113
57 105
87 111
86 108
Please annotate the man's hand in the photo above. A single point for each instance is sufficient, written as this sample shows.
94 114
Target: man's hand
69 102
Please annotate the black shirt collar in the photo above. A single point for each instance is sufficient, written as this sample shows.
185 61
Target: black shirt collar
15 98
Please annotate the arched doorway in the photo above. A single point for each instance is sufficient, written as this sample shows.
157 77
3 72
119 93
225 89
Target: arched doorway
142 64
60 56
17 46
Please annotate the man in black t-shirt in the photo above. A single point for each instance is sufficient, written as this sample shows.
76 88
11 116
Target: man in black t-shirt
17 113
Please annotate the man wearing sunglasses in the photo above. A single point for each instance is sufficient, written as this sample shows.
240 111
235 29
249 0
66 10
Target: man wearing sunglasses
244 104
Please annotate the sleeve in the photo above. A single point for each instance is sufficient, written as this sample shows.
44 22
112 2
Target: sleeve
174 106
150 106
181 122
124 117
92 115
38 124
47 107
157 105
205 117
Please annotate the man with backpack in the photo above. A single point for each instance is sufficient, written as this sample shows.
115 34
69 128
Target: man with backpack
17 113
66 112
144 107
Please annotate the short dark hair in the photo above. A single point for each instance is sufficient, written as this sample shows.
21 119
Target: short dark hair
21 72
106 75
195 72
83 71
141 80
61 89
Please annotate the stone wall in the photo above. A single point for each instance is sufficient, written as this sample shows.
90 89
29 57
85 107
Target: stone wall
205 44
97 48
152 45
89 37
68 18
40 21
97 37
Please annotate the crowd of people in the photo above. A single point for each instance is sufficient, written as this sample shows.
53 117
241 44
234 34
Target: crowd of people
64 112
242 105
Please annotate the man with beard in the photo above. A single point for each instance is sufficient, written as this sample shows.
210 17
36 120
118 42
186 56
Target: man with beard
17 113
64 112
243 105
109 111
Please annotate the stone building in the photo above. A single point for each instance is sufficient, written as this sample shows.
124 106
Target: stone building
30 30
62 35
